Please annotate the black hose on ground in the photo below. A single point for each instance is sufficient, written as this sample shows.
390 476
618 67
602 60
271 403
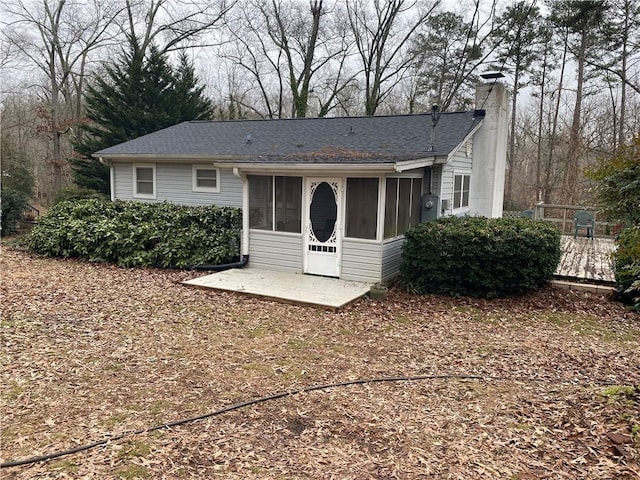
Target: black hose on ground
237 406
225 266
210 267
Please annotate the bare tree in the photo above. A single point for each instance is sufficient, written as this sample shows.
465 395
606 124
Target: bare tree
540 77
519 33
57 37
381 31
337 87
8 53
292 52
170 25
252 51
281 31
581 19
619 55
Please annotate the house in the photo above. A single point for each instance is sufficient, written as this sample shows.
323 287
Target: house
326 196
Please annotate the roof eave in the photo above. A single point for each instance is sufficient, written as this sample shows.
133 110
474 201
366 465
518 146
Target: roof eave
164 158
246 164
359 168
416 163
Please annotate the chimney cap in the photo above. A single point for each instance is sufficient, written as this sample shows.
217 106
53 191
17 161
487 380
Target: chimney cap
492 75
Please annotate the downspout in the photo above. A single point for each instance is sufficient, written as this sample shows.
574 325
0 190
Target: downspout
244 243
245 211
224 266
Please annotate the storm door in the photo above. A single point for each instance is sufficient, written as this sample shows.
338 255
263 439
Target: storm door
323 226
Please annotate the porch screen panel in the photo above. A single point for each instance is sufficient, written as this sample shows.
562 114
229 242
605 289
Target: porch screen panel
416 201
362 208
260 202
391 208
404 206
288 204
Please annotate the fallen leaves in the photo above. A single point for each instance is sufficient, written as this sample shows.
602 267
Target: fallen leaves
92 351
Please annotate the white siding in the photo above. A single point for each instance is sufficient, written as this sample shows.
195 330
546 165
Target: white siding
175 185
361 261
391 258
436 180
460 163
443 176
275 251
123 178
460 160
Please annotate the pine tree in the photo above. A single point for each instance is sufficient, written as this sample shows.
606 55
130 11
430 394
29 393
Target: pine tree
518 40
582 20
191 102
135 97
446 55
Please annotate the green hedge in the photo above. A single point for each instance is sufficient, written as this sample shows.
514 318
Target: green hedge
77 193
135 234
626 261
480 257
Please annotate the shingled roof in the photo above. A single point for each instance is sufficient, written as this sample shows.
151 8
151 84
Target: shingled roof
380 139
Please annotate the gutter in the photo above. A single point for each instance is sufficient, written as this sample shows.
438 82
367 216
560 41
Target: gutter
225 266
403 166
311 168
244 243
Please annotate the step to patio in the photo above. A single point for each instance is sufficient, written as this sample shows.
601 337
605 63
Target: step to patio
583 287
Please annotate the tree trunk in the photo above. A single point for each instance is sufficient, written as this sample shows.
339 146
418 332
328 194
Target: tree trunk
512 137
554 128
573 155
302 98
56 160
623 86
539 193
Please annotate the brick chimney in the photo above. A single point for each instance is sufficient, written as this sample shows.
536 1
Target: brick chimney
486 192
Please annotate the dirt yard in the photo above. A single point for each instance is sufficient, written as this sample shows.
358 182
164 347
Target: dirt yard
91 351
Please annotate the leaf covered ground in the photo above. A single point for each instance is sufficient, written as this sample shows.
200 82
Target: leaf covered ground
91 351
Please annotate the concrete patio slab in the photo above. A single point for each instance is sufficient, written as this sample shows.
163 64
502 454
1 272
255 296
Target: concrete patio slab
288 287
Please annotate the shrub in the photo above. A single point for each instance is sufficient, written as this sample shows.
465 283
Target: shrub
77 193
480 257
135 234
618 183
13 204
626 263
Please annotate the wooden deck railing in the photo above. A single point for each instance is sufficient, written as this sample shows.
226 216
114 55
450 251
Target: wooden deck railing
30 213
562 216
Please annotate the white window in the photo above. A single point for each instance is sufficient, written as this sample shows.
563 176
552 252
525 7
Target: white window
206 179
461 190
144 181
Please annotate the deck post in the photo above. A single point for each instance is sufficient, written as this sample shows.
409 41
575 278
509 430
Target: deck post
539 211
